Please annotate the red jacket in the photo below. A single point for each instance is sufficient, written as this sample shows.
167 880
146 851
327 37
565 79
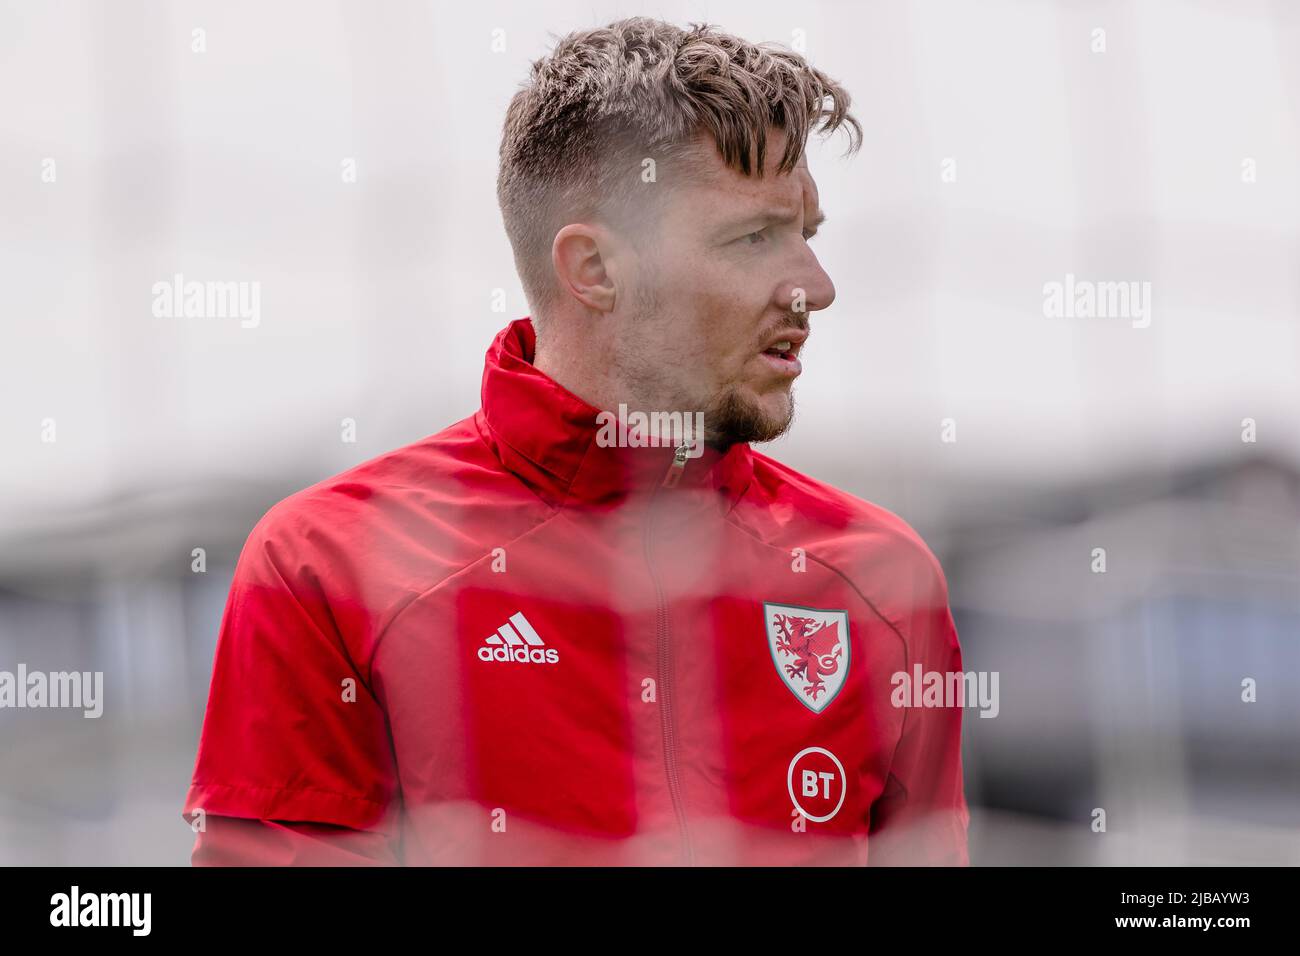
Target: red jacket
509 644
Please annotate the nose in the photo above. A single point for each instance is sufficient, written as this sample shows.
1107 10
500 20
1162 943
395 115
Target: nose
808 286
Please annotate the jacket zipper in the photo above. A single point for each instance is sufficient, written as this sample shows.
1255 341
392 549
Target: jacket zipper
677 467
664 657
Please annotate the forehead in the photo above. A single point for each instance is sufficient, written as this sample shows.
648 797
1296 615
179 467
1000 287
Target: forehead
716 187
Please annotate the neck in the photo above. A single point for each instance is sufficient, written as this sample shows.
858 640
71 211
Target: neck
587 370
584 369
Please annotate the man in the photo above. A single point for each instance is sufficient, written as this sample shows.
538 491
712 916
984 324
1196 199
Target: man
566 630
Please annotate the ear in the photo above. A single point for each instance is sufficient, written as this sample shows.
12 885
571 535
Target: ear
581 255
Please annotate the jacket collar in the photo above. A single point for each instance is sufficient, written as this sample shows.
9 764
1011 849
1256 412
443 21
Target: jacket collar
547 436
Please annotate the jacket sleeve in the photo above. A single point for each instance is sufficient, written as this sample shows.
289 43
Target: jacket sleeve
294 753
921 818
232 841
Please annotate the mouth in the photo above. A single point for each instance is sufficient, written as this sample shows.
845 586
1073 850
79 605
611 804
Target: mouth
782 352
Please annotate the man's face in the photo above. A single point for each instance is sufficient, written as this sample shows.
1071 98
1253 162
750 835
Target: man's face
716 320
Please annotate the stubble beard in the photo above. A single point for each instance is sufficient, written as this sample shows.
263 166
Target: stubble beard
731 416
734 417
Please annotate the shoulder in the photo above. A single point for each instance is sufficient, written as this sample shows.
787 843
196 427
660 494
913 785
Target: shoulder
367 491
371 538
882 555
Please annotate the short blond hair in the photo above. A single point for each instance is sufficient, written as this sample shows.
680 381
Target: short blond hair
577 133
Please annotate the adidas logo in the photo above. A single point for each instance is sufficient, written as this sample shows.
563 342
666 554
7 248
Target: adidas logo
507 644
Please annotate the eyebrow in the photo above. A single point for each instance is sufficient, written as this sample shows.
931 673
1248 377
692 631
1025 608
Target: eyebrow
779 215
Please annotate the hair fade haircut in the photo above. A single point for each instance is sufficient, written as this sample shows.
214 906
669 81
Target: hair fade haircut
577 134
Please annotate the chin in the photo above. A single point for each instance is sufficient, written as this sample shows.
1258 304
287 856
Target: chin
745 417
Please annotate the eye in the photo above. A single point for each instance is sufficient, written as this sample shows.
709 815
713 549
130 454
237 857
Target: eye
749 238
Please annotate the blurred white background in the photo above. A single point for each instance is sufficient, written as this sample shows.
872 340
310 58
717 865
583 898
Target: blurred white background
1173 157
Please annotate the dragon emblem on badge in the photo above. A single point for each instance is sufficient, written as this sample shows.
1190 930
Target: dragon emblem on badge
810 648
